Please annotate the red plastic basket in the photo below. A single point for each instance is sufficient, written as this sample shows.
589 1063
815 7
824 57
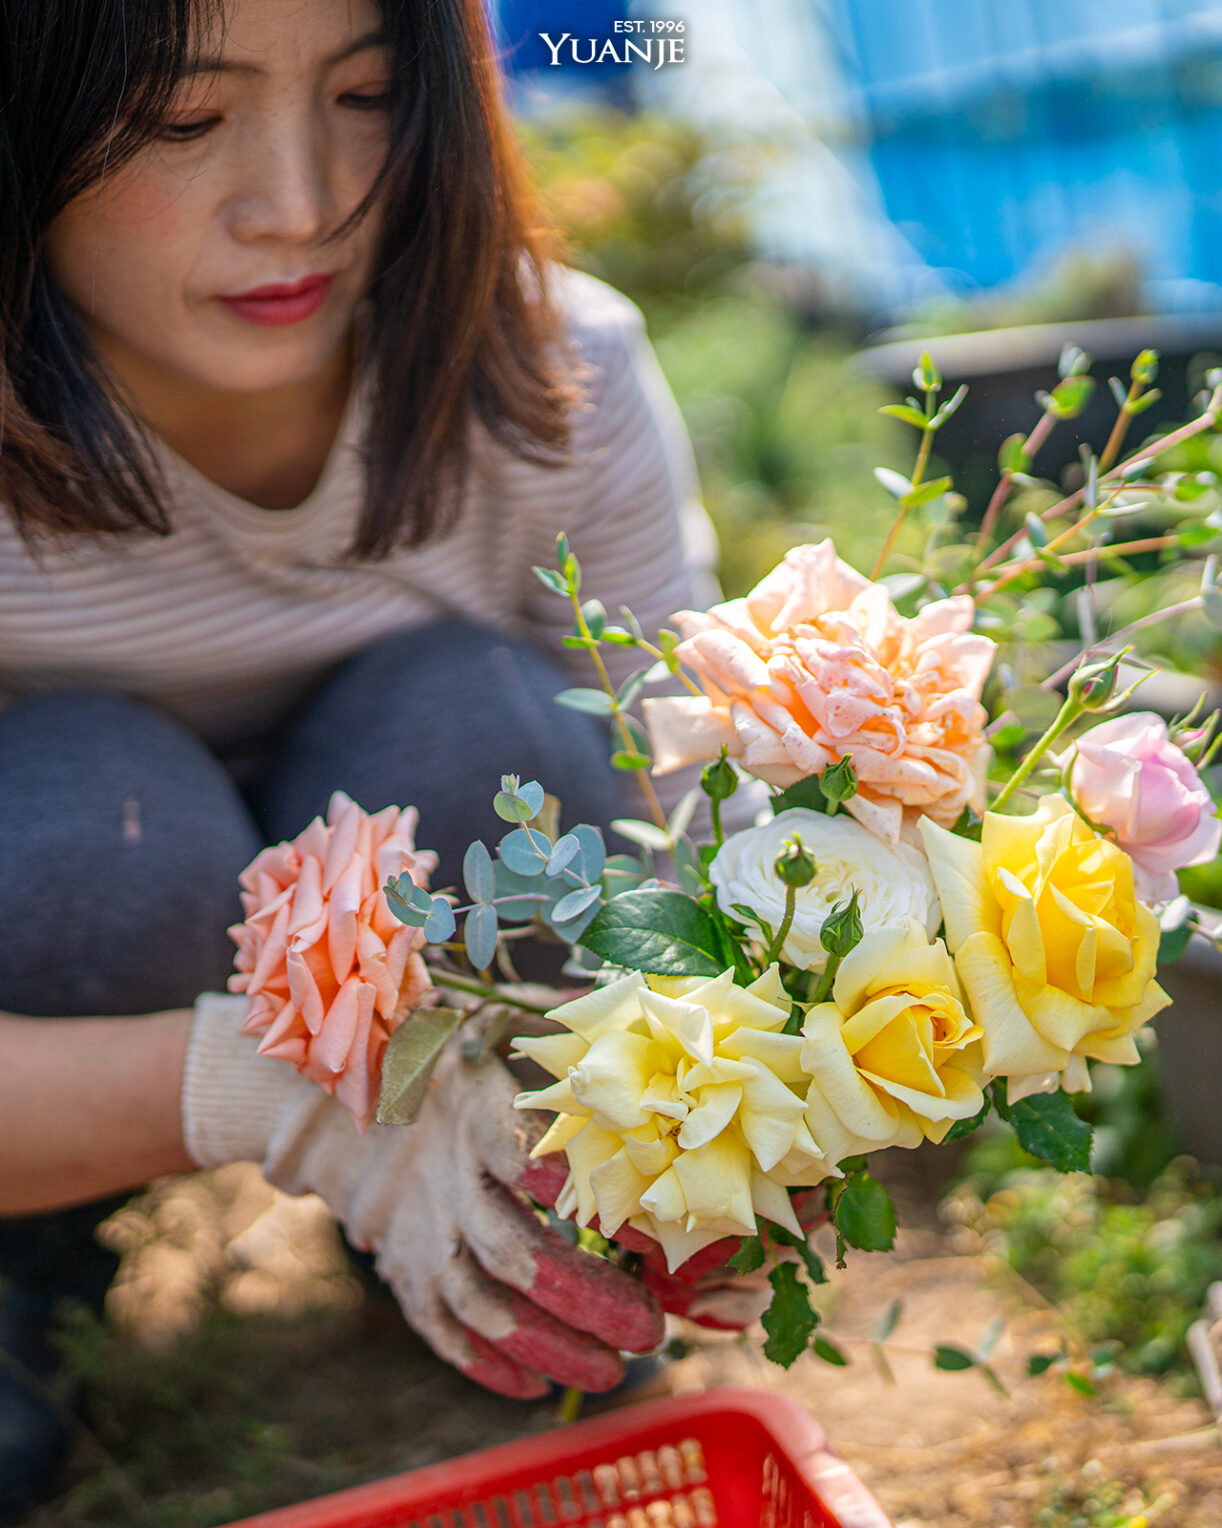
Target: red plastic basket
724 1459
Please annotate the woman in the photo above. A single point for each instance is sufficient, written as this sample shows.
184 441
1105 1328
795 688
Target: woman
292 400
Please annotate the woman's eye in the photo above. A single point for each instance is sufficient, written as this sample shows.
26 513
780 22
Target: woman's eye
366 100
186 132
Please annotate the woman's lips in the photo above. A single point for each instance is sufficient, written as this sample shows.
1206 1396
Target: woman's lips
276 305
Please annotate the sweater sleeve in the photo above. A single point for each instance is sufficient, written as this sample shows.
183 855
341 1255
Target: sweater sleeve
634 518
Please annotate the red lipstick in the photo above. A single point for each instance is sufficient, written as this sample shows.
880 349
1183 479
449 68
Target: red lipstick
281 303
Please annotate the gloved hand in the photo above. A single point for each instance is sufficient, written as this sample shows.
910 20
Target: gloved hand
506 1300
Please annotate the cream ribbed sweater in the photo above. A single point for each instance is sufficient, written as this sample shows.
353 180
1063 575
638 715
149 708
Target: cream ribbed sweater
227 621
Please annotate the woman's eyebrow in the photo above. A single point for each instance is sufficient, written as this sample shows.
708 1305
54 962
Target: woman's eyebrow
228 66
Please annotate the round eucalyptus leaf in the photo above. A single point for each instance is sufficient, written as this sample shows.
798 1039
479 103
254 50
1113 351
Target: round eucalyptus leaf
524 852
564 851
479 935
439 925
477 873
575 903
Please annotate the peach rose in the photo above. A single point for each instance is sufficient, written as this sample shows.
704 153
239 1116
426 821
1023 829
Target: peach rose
328 971
815 664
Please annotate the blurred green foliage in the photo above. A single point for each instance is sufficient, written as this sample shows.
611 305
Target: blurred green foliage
786 433
1121 1268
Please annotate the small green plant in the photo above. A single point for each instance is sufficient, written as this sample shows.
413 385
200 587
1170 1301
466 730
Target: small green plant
1126 1274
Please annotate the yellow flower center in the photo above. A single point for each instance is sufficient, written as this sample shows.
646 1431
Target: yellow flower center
1068 910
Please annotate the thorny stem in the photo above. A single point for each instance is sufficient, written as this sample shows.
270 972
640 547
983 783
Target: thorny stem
1185 607
1204 421
918 472
1068 714
1037 437
643 780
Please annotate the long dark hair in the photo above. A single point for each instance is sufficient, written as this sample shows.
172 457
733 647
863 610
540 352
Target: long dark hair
461 328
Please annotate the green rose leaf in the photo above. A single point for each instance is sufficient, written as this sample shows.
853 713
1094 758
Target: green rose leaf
408 1063
1048 1127
749 1257
1173 942
952 1359
806 793
814 1263
865 1215
662 932
789 1320
963 1127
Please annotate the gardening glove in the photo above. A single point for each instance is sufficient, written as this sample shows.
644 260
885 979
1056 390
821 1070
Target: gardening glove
505 1299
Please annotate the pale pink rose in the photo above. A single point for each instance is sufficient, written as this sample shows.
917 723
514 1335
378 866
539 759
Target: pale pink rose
1128 775
328 970
815 664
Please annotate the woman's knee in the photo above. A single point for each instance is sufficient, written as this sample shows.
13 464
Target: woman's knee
123 840
432 718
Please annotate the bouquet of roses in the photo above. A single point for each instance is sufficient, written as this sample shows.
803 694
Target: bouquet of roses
940 912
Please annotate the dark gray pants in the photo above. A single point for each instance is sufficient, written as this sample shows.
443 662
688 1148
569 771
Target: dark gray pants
122 836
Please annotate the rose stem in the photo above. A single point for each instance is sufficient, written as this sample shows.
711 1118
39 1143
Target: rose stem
791 904
1068 713
823 990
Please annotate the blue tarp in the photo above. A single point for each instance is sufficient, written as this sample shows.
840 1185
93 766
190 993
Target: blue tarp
525 57
1004 134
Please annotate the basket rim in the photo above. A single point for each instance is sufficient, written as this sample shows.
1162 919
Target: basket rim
797 1434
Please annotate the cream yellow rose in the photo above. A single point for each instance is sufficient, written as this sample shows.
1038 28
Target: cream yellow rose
894 1058
1055 952
680 1108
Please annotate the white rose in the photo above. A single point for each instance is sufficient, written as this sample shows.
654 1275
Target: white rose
892 883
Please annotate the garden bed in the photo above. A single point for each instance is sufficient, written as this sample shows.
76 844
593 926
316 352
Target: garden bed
246 1371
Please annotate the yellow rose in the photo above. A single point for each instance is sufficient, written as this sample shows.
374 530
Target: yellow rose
894 1058
680 1108
1055 951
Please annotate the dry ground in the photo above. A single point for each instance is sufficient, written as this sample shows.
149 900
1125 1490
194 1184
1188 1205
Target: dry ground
244 1368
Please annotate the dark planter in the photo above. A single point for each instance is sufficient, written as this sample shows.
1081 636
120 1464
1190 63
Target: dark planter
1190 1049
1004 368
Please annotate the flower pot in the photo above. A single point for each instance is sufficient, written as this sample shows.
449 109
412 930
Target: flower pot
1005 367
1190 1049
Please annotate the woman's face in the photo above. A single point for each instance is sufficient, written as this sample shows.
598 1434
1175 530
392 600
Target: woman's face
205 258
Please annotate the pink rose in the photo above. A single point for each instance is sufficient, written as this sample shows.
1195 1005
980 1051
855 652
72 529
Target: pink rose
816 664
1130 776
328 970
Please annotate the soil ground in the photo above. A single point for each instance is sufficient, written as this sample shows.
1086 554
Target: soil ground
242 1367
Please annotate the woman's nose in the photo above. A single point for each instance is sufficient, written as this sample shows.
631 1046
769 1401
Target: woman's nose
286 189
